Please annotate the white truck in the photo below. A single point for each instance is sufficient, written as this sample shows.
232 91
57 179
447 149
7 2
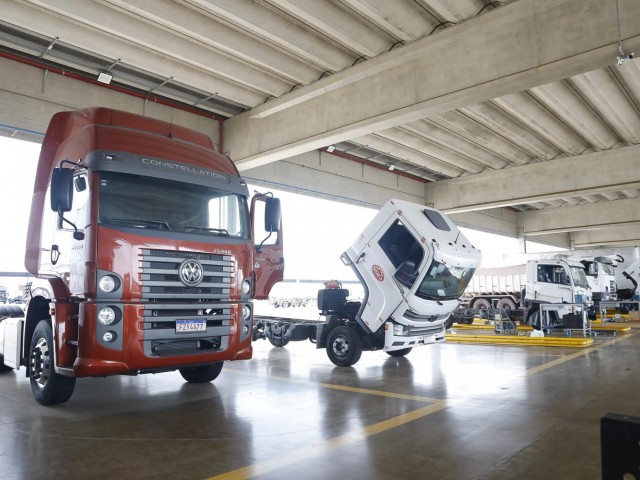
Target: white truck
413 264
521 289
601 275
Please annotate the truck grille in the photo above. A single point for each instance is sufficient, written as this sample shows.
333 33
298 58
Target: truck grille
166 300
161 281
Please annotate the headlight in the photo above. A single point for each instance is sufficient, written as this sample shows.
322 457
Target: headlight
106 315
109 337
246 312
246 287
108 283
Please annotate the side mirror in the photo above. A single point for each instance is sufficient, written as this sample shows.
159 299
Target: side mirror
61 189
406 273
272 214
81 184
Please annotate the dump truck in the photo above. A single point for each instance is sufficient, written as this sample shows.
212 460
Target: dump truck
146 251
413 264
521 289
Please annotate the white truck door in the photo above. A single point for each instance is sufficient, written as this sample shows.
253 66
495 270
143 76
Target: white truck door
552 283
378 259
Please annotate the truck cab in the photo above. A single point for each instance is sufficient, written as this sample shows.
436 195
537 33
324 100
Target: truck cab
413 264
600 272
557 282
146 253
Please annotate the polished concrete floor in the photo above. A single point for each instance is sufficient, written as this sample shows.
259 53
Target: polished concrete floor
447 411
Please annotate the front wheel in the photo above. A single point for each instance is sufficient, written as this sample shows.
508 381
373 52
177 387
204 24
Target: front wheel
344 346
48 387
202 373
400 353
447 324
533 319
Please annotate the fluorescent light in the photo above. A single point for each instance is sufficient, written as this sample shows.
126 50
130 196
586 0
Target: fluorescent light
331 148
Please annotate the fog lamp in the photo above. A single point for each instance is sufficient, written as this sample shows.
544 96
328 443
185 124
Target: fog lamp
106 316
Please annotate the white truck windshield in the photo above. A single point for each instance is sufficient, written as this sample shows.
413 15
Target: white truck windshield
138 201
444 283
579 278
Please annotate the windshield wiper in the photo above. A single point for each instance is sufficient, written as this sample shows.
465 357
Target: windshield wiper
139 223
219 231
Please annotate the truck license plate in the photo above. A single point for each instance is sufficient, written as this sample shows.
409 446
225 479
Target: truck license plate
188 326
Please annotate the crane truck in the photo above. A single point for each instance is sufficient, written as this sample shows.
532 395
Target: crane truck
413 264
146 251
521 289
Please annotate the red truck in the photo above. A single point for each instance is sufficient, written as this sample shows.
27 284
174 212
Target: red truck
146 252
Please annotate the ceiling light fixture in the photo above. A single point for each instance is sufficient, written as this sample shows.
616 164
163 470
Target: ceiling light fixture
331 148
105 77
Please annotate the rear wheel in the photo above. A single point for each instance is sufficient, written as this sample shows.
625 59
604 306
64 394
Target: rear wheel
506 304
481 304
202 373
344 346
47 386
400 353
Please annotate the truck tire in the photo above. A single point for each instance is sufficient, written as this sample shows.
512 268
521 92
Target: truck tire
201 373
344 346
448 323
400 353
506 304
481 304
48 387
533 318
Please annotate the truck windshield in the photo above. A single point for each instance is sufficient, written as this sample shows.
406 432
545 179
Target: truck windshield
607 269
579 278
444 283
138 201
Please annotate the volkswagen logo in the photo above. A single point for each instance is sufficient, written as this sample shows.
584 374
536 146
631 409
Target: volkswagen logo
191 272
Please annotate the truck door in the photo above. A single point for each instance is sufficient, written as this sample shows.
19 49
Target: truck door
553 284
268 260
396 245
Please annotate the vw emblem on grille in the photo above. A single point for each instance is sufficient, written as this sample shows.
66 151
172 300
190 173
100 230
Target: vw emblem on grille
191 273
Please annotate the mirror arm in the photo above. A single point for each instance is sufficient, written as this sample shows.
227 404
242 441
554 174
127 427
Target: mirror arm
77 234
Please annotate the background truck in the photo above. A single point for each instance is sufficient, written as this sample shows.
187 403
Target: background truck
520 290
601 275
141 243
413 264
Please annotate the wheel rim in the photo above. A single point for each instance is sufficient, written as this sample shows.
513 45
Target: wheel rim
340 346
40 363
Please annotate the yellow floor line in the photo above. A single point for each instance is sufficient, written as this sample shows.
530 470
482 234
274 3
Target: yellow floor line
320 448
360 434
567 358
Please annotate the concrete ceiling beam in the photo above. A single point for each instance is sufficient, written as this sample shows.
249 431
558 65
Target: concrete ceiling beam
40 20
577 218
583 175
519 46
627 235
